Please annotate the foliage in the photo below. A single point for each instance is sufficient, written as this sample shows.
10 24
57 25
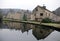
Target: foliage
1 17
46 20
24 17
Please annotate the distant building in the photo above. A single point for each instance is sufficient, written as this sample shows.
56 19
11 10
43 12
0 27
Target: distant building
19 15
41 12
15 16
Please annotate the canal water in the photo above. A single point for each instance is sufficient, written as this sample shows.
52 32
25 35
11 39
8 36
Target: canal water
13 31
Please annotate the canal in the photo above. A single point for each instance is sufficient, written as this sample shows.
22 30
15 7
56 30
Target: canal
13 31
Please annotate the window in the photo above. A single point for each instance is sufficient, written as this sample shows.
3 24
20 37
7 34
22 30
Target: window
34 14
41 14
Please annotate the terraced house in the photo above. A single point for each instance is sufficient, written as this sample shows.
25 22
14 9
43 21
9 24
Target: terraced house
15 16
19 15
40 12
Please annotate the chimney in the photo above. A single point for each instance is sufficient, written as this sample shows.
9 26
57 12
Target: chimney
44 6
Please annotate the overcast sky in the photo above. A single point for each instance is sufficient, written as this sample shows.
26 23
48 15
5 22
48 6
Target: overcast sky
29 4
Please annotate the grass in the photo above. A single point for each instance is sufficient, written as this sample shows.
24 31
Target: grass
52 24
47 24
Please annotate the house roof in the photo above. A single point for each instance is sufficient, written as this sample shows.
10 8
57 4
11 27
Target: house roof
43 8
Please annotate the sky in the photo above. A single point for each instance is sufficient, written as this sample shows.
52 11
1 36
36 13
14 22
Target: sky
29 4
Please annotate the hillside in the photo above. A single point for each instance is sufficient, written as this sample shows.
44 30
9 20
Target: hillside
57 11
6 11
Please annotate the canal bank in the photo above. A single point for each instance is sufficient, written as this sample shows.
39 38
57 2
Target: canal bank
51 25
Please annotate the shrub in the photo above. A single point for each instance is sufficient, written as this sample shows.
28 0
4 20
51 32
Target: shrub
46 20
25 17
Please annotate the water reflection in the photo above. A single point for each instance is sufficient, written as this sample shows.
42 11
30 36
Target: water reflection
34 32
25 27
12 25
18 26
41 32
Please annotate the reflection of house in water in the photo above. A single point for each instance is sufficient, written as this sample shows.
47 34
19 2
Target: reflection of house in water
1 26
25 27
41 32
13 25
18 26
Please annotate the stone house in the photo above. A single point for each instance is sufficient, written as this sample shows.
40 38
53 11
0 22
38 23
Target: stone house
15 16
40 12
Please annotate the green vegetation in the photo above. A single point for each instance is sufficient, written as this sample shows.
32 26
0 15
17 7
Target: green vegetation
1 16
24 18
46 20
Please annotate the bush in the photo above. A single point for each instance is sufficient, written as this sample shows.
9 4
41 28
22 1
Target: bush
46 20
24 18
